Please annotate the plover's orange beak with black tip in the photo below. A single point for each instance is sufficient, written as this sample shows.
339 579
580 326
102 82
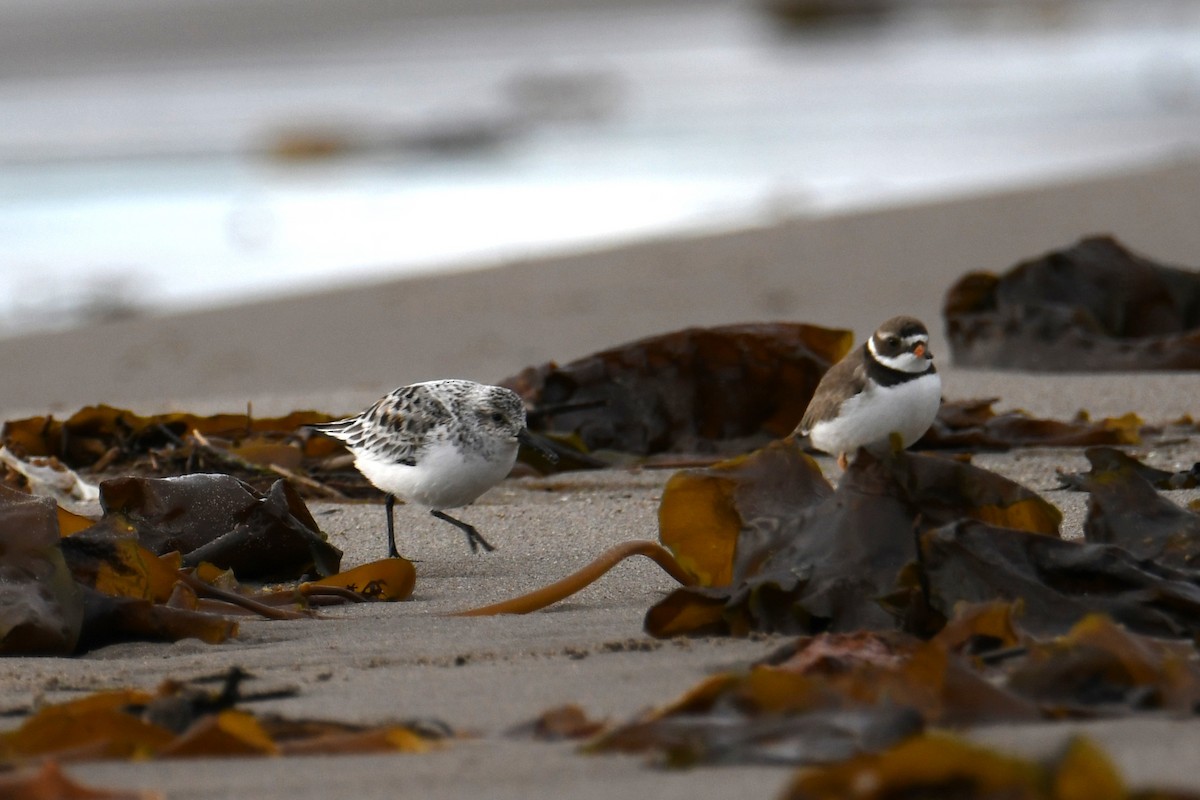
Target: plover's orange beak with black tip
919 350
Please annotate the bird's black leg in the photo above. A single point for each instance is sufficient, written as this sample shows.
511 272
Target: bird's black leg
392 551
473 538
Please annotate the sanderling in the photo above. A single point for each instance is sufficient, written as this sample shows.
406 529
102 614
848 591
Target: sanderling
438 444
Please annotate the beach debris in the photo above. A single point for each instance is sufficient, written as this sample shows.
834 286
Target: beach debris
597 425
558 724
583 577
67 591
1095 306
224 521
939 764
1124 509
111 441
1060 582
1100 669
48 782
723 389
774 547
729 390
41 606
832 696
49 477
974 425
903 540
1110 464
183 719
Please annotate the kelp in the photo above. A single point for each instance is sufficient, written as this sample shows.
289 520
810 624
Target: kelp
181 719
48 782
123 577
806 558
111 441
1109 464
819 700
972 424
561 723
1094 306
1099 668
41 607
833 696
224 521
1124 509
905 538
91 433
938 764
694 390
583 577
1059 582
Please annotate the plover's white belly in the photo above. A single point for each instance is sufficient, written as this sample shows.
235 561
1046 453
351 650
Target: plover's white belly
443 477
874 415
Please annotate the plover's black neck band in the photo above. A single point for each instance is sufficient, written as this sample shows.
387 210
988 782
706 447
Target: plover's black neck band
884 375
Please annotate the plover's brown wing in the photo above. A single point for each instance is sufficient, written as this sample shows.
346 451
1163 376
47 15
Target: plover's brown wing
843 380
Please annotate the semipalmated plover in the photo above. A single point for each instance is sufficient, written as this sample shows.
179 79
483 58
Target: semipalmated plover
888 385
438 444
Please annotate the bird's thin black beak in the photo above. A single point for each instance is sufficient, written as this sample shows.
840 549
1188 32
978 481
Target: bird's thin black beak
537 443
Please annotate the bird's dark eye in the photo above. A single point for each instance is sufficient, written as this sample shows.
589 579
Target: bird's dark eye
893 341
497 416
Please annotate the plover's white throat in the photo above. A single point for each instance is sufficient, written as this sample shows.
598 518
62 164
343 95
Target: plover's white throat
888 385
438 444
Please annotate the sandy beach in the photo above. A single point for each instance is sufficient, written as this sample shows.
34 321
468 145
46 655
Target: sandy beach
337 350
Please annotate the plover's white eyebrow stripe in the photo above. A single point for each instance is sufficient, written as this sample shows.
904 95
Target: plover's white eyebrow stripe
916 337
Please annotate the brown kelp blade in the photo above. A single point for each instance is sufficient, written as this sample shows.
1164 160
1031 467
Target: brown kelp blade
698 389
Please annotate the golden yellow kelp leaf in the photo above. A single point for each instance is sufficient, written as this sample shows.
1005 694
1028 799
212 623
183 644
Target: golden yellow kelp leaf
987 626
1033 514
703 511
89 433
584 576
268 453
120 567
699 524
972 424
689 613
560 724
393 739
1084 772
1136 654
386 579
96 726
938 764
949 489
1147 672
227 733
1127 426
49 783
181 720
215 576
70 523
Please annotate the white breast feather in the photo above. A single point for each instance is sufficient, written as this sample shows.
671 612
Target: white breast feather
442 478
872 416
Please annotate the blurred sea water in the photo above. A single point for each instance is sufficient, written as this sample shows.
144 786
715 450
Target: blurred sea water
149 169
